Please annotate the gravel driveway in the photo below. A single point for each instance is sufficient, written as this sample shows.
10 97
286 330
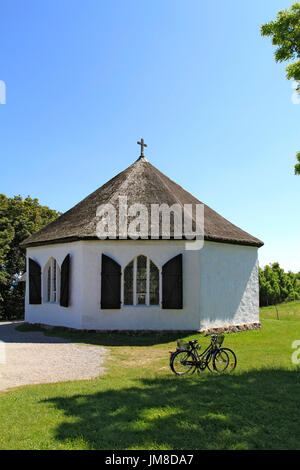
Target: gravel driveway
33 358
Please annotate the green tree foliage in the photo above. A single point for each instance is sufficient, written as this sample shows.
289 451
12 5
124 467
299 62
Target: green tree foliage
277 286
297 166
285 33
19 218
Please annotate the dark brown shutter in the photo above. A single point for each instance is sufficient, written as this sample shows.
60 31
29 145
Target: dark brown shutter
172 283
65 282
34 282
110 283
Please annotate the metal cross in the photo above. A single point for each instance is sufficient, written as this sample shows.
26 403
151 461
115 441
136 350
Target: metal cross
141 143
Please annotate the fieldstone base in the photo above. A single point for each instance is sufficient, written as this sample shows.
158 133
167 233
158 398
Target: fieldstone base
232 328
209 331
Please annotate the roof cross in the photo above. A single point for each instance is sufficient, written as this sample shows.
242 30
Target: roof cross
141 143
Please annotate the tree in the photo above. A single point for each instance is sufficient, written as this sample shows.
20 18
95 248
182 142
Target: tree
276 286
18 220
297 166
285 32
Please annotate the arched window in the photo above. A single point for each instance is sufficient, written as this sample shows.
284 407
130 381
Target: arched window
51 281
141 282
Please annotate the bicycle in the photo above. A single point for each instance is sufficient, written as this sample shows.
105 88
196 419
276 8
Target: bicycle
186 359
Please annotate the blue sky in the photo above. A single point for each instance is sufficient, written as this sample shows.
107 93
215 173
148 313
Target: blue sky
86 80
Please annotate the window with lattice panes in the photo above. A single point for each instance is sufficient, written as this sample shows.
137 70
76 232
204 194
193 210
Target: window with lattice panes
141 282
52 278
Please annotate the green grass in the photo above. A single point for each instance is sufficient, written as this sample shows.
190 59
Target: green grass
140 404
286 311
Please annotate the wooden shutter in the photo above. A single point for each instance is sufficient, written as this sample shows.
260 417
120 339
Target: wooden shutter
110 283
65 282
172 283
34 282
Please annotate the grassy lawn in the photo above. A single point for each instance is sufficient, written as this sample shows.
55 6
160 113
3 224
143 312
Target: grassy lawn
140 404
286 311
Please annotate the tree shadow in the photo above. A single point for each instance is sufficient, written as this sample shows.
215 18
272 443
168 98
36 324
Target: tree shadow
14 332
252 410
107 338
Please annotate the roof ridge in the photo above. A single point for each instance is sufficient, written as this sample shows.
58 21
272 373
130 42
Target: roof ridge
130 168
165 185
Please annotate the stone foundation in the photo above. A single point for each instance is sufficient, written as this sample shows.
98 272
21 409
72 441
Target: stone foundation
232 328
223 329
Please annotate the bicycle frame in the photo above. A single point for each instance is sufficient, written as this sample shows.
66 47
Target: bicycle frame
204 357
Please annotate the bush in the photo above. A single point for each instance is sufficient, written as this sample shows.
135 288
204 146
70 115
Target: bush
277 286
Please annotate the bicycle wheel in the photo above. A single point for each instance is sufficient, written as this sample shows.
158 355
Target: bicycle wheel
220 360
209 361
232 360
183 362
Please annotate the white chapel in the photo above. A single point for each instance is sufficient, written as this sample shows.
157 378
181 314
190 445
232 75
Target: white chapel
79 280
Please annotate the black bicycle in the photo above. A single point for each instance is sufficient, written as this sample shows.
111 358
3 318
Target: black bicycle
187 359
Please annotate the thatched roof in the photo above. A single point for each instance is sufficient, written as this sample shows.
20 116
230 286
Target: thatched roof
140 183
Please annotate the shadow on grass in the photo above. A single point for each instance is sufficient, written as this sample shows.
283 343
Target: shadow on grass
253 410
108 338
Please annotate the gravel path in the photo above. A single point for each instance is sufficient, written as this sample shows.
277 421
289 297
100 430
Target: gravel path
33 358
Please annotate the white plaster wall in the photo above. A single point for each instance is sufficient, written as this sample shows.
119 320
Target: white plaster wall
220 286
228 285
52 313
139 317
